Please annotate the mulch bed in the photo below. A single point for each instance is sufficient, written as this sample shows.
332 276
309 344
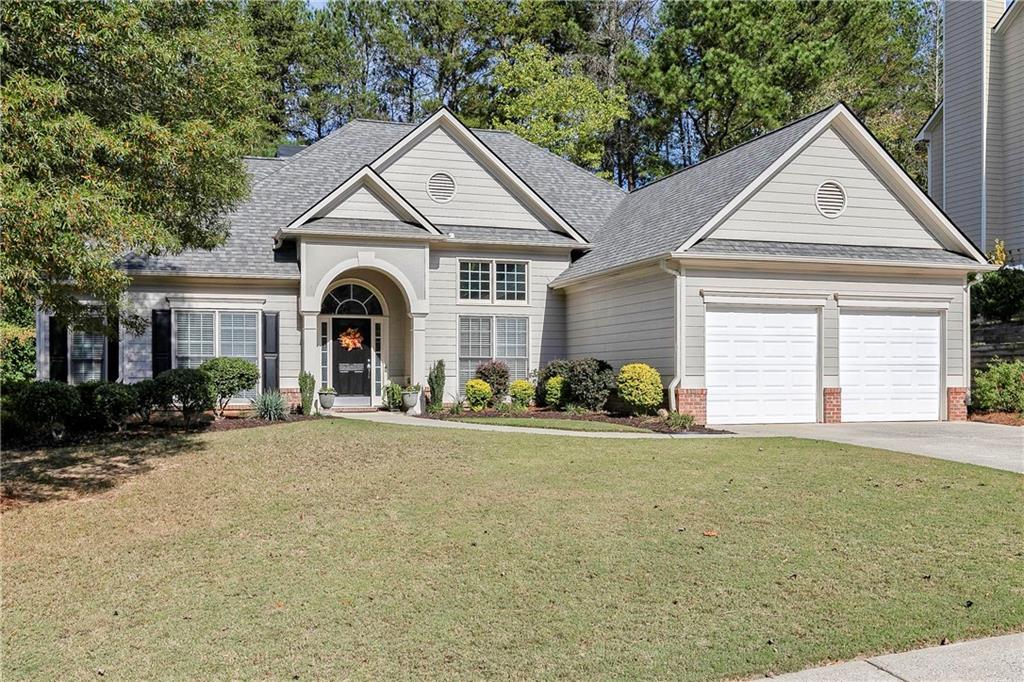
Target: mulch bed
656 424
1004 418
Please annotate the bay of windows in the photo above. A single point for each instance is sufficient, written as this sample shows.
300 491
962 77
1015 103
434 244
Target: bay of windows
492 281
201 335
483 338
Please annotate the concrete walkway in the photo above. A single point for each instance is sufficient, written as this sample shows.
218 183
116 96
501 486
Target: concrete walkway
994 659
988 445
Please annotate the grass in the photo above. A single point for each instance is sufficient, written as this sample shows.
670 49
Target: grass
342 549
563 424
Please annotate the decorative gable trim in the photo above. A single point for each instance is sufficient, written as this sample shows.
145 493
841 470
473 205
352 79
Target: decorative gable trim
443 118
871 152
366 177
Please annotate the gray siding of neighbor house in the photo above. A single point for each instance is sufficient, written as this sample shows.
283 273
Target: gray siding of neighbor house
784 209
946 287
626 318
1011 47
935 165
479 199
545 307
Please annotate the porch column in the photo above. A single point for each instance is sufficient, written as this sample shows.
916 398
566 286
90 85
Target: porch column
418 371
310 354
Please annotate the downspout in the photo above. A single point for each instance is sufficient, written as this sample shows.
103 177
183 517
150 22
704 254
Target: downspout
679 316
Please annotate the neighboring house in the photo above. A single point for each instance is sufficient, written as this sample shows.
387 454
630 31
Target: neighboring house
799 277
975 136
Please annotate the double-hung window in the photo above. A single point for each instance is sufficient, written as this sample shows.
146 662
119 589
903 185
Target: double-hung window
492 281
86 353
483 338
201 335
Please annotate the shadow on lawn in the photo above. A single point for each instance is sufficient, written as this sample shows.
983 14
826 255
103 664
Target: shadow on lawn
63 473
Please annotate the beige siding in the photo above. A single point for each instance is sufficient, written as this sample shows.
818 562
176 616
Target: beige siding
625 319
480 200
545 307
363 204
1011 219
784 209
826 285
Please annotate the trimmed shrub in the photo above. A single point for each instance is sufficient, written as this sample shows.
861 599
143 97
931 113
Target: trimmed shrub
478 394
89 417
495 373
999 387
270 406
46 406
999 296
522 392
435 380
555 368
640 387
189 391
228 378
150 396
554 392
677 420
116 402
589 381
307 387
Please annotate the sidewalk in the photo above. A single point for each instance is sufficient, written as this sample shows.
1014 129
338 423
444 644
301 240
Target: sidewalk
994 659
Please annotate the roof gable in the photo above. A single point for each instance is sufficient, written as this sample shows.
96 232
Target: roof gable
784 208
443 143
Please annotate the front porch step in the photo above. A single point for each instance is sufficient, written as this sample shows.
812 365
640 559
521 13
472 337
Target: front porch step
353 408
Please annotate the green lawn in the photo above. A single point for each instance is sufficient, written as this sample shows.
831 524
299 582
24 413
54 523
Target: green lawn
562 424
337 548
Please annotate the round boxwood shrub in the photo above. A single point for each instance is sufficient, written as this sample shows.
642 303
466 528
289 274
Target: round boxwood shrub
554 392
521 391
999 387
116 402
589 381
555 368
150 396
46 406
189 390
495 373
228 378
478 394
89 416
640 387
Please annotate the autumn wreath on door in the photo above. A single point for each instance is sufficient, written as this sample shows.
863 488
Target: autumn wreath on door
351 339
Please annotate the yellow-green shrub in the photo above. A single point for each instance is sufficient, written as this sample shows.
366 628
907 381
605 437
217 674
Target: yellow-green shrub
554 392
521 391
640 387
478 394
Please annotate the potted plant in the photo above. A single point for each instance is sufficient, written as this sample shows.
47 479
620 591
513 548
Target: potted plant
410 396
327 394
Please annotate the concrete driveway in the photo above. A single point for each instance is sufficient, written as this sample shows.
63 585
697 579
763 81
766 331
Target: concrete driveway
990 445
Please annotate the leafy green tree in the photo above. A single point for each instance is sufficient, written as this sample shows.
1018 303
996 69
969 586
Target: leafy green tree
547 100
123 127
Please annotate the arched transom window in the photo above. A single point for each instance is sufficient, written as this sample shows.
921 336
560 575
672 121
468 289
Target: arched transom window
351 299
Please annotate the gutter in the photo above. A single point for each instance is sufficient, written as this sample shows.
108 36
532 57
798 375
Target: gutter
679 315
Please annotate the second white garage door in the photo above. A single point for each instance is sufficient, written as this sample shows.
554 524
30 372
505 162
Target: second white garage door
761 365
889 366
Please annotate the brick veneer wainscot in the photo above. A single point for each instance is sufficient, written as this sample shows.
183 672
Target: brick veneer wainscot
693 401
956 404
833 403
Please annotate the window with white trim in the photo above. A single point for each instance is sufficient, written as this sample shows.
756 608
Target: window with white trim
484 338
87 351
492 281
201 335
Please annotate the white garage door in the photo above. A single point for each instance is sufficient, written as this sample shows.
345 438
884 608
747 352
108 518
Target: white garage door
889 366
761 365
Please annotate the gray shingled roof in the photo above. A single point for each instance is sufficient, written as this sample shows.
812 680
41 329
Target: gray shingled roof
304 178
657 218
741 247
260 167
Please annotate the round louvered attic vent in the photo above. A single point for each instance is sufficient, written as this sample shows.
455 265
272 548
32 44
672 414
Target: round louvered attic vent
830 199
441 187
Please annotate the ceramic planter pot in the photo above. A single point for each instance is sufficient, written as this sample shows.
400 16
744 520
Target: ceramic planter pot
410 400
326 400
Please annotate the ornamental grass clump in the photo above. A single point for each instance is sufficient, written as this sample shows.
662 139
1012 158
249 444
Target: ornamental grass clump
270 406
640 387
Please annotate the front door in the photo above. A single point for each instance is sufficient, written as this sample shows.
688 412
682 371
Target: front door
351 356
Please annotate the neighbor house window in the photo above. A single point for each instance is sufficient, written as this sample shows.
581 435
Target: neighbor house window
86 354
201 335
491 281
483 338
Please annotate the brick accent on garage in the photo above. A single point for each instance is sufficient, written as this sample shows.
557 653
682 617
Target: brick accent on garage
693 401
833 404
956 404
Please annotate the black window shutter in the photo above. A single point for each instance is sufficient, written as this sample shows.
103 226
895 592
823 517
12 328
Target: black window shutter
271 333
114 354
58 351
161 341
